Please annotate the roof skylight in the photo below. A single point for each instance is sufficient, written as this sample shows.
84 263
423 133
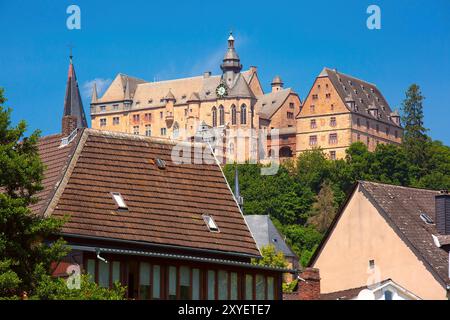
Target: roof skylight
119 200
426 218
212 226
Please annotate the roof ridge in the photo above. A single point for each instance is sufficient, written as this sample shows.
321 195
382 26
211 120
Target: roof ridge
397 186
350 76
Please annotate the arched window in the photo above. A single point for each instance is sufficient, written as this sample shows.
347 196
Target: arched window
231 148
176 130
221 116
243 114
233 114
214 117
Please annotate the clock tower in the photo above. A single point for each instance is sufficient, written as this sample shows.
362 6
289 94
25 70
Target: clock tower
231 65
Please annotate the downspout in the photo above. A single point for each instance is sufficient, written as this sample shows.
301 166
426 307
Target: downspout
100 257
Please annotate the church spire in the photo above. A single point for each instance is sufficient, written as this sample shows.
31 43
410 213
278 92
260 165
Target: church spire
231 64
74 116
94 97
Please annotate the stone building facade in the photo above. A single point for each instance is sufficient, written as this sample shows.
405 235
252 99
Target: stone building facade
232 104
340 110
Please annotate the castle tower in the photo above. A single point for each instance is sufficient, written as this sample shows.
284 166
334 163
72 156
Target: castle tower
74 116
231 65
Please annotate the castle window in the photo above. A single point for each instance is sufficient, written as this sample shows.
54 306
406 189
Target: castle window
243 114
115 107
185 112
332 107
332 138
102 122
135 118
333 155
290 115
102 108
333 122
233 114
116 121
312 140
163 131
148 130
221 116
148 117
161 115
315 96
214 116
312 108
313 124
328 95
291 105
136 130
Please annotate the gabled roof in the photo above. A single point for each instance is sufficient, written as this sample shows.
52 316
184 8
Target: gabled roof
165 207
265 233
402 207
363 93
269 103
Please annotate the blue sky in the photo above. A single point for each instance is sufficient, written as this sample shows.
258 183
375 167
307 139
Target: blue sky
169 39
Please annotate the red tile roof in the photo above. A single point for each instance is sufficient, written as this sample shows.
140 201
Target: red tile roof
165 206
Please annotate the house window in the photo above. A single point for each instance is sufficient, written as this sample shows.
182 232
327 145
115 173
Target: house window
148 130
102 108
156 292
115 272
172 283
223 284
116 121
212 225
90 269
148 117
103 274
211 285
221 116
315 96
135 118
144 281
233 114
163 131
195 284
248 287
233 286
243 114
333 155
371 264
260 287
185 280
312 140
332 139
328 95
290 115
135 129
388 295
214 117
312 108
270 288
102 122
313 124
333 122
291 105
115 107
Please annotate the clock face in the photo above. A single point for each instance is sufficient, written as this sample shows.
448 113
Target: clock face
221 90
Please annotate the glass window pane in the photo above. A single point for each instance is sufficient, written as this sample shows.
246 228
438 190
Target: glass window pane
156 282
248 287
260 287
115 271
234 286
270 288
103 274
91 269
185 277
223 285
195 284
144 280
172 283
211 285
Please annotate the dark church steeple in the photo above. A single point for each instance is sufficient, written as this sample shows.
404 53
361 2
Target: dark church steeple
74 116
231 65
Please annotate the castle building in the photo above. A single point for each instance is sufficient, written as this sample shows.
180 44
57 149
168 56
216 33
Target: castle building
340 110
233 102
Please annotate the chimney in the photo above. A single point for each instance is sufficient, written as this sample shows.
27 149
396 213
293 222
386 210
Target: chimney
442 201
69 123
309 284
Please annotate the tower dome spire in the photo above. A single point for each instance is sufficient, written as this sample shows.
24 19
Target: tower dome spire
231 65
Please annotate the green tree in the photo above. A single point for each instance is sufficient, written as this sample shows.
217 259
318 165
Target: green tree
324 209
22 250
271 258
415 138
